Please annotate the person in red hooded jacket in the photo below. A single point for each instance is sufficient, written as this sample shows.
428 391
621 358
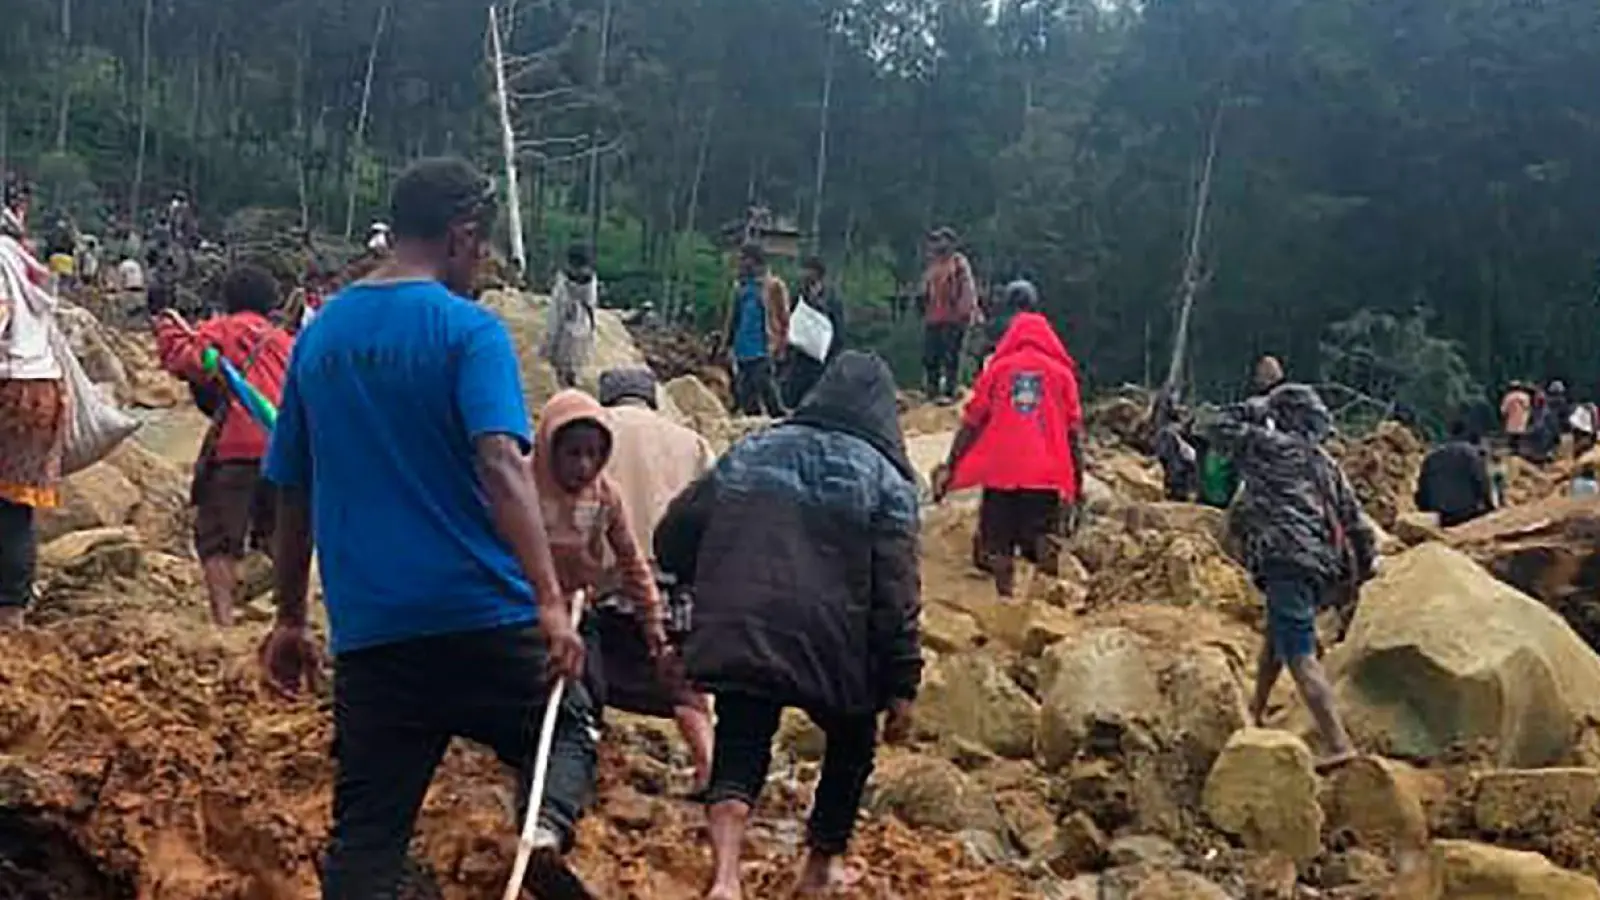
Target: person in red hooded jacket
233 508
1020 440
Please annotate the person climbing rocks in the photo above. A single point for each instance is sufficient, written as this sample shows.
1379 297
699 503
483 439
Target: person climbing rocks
756 334
574 303
234 512
1302 537
819 298
400 454
1021 440
33 408
802 547
653 459
1175 449
950 296
1455 482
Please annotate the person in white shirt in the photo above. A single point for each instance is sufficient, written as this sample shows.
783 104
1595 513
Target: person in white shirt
574 298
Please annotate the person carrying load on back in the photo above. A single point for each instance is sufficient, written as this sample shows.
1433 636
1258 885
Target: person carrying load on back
33 407
1302 537
802 547
815 303
1455 482
1021 440
233 506
652 460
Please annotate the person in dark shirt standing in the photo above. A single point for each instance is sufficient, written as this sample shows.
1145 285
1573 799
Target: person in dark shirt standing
400 453
804 367
1455 480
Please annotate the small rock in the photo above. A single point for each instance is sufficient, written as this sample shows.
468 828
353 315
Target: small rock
1474 871
927 792
1139 883
1062 593
98 497
1376 804
631 810
1263 790
1415 528
1031 821
1353 867
968 695
1046 627
1535 801
1079 846
95 554
801 736
984 847
948 631
1269 876
1144 849
1084 887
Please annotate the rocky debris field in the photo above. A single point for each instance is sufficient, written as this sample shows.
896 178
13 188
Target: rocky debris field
1087 741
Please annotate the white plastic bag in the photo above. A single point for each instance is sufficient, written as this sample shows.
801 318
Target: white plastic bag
95 426
810 331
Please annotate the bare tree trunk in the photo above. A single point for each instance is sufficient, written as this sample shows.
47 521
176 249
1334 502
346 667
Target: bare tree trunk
301 63
693 203
144 109
594 132
64 103
358 143
508 146
822 140
1190 284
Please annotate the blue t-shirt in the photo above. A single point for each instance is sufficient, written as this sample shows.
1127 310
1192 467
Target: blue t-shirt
387 390
750 332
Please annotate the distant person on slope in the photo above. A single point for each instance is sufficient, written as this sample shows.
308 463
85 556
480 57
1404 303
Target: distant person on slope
802 546
1455 482
233 506
1516 414
574 305
757 334
950 295
652 460
403 428
1021 440
1302 536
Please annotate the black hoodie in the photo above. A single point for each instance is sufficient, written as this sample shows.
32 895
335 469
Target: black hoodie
802 546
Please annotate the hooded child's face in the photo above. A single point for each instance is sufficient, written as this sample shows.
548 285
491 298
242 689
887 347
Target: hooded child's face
578 453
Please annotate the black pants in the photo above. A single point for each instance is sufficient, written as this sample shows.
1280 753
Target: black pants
941 357
803 375
19 551
755 388
397 706
745 727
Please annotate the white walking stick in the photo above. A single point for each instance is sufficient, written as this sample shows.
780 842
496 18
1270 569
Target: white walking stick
541 769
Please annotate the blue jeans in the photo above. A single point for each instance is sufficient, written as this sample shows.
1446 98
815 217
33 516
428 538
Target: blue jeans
1292 600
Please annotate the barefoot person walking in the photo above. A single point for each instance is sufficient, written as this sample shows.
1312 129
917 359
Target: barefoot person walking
1303 536
400 451
802 546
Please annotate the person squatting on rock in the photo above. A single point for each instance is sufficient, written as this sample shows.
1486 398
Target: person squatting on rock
1021 441
1455 482
950 298
757 334
33 407
802 547
652 460
400 453
816 294
233 507
1302 537
570 331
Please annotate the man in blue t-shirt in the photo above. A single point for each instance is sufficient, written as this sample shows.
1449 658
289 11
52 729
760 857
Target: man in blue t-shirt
399 453
756 334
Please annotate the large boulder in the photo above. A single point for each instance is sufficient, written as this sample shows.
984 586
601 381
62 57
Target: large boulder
1535 801
1377 804
969 696
1549 549
1441 656
928 792
98 497
1263 791
1482 872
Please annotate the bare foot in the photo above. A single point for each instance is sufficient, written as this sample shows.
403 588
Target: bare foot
1335 762
820 874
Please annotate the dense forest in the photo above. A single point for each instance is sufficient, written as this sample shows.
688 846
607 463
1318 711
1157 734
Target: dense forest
1410 188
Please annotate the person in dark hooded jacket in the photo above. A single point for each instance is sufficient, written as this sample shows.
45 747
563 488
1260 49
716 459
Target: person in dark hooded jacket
1455 480
1303 538
802 546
